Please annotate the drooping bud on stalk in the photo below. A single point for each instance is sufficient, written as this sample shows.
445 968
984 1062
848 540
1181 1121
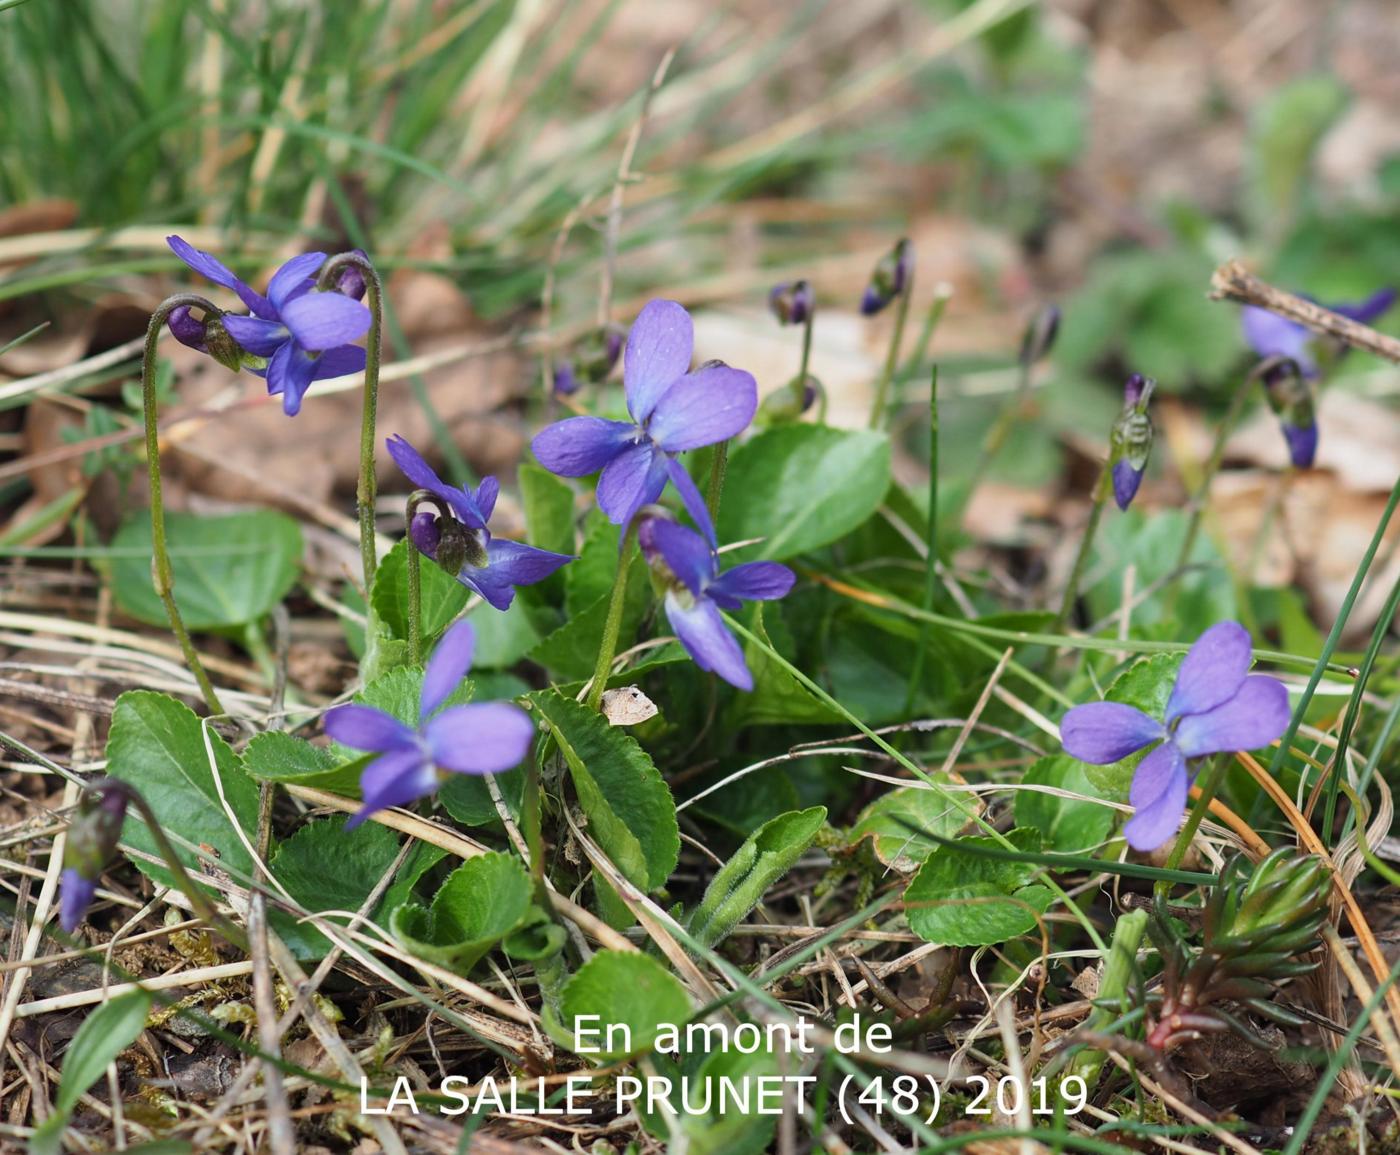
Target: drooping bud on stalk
1290 396
792 302
1040 334
92 841
1130 443
590 360
889 279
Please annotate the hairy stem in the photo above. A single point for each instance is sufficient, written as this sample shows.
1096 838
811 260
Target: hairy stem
1081 561
365 489
162 574
1210 783
608 645
186 885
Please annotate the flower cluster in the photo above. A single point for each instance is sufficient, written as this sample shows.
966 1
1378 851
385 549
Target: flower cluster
296 334
1216 707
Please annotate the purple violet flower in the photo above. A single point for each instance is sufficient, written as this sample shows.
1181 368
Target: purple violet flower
296 334
1273 336
1215 707
480 738
697 591
491 567
673 409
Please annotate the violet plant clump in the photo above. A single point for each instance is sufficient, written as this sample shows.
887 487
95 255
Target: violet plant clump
478 738
1216 707
687 569
295 335
673 409
460 540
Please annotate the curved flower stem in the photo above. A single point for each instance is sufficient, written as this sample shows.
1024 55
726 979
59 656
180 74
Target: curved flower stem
719 465
882 388
608 645
186 885
1202 495
365 489
415 570
162 575
1086 545
806 353
1210 783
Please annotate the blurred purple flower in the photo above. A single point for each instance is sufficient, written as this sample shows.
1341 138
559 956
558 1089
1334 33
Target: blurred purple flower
672 409
480 738
1215 707
1273 336
698 591
296 334
792 302
890 278
489 566
92 841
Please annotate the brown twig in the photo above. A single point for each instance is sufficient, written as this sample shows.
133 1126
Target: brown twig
625 175
1233 282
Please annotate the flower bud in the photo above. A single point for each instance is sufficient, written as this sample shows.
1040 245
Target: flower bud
890 278
1130 443
1290 396
792 303
91 843
1040 334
